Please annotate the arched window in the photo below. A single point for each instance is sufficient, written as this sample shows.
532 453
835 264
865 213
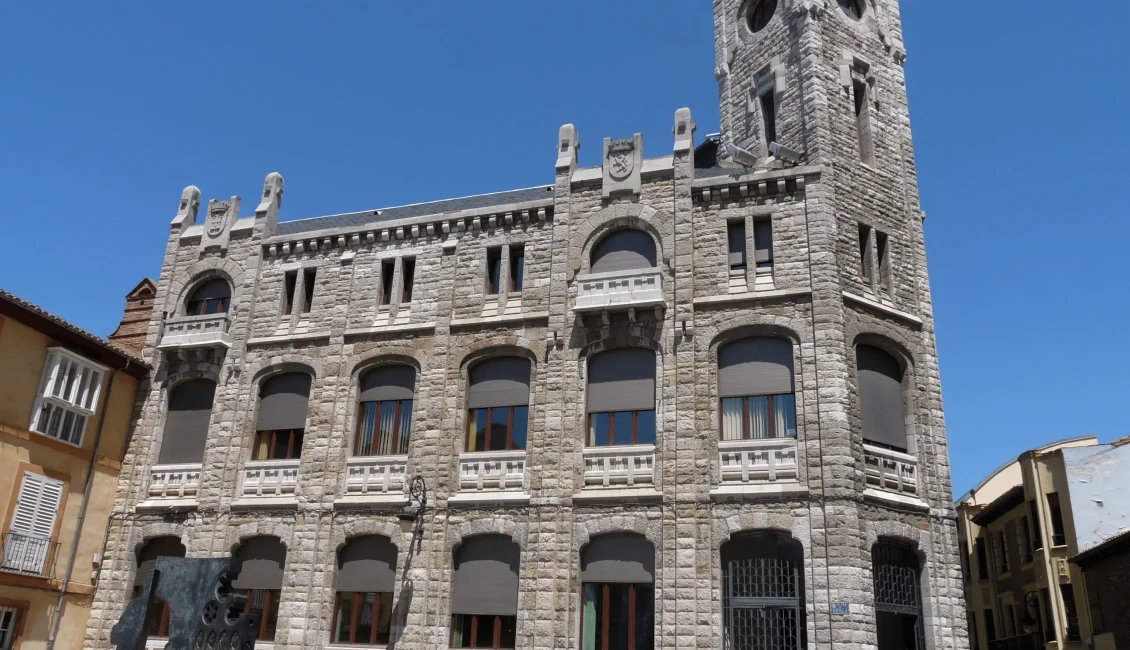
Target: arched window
755 384
880 397
623 250
498 399
282 417
385 416
366 573
157 620
621 397
186 426
212 297
260 579
763 591
484 600
618 593
898 595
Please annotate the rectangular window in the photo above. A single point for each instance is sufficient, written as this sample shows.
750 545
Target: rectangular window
865 264
494 270
9 627
285 444
308 277
1008 620
517 267
1096 608
622 428
483 631
964 559
68 396
205 306
618 616
362 618
990 626
290 279
28 543
498 428
1058 536
1002 552
883 253
974 642
265 603
1025 540
758 417
382 428
863 120
769 115
763 243
1037 538
982 559
407 276
388 269
1067 591
735 238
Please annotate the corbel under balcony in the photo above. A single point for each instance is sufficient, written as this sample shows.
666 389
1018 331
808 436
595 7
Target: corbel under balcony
206 331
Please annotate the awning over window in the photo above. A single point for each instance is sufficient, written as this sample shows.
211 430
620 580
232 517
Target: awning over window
755 366
282 402
624 250
263 562
366 564
880 397
153 549
618 557
486 576
388 383
622 380
501 381
186 425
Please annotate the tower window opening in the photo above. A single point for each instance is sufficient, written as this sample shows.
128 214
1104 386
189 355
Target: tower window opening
852 8
769 115
760 13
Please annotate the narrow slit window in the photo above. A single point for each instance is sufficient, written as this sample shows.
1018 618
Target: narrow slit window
883 252
865 252
862 96
289 282
308 278
763 243
517 267
494 270
388 267
408 275
735 236
769 115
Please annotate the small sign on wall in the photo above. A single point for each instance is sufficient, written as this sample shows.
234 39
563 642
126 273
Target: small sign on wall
841 609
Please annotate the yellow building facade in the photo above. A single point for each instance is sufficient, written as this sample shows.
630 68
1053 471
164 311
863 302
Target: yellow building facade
66 402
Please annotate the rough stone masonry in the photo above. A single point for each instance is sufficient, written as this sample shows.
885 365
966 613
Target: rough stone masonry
844 267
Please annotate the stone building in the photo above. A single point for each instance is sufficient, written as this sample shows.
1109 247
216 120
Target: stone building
688 398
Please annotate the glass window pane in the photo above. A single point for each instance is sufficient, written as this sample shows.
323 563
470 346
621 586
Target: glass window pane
521 424
44 418
758 417
92 391
509 636
461 631
645 617
76 431
69 388
365 619
282 439
731 418
484 634
499 422
366 429
618 615
784 416
622 428
344 617
384 428
479 432
405 426
520 273
598 429
645 428
590 617
384 617
60 377
53 426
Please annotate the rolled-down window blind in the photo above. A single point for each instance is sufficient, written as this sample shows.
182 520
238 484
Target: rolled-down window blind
501 381
388 383
624 250
282 402
486 576
153 549
186 426
211 289
622 380
755 366
618 557
263 561
880 397
366 564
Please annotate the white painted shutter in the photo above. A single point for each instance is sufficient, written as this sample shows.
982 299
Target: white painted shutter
37 506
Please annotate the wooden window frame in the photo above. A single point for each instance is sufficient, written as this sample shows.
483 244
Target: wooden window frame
354 613
22 607
747 431
395 424
267 596
273 433
472 420
603 640
496 632
612 427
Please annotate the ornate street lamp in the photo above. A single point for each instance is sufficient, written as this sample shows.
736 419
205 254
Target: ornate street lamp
412 515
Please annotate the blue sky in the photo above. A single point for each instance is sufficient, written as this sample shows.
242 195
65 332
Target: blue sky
1018 109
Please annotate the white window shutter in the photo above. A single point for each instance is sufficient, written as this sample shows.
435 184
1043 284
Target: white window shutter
37 506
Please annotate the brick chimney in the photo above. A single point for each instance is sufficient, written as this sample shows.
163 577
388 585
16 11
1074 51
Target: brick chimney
130 335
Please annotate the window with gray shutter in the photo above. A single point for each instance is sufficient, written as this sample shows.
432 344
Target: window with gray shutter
755 366
880 397
153 549
263 561
486 576
624 250
282 402
618 557
622 380
366 564
388 383
499 381
212 297
186 426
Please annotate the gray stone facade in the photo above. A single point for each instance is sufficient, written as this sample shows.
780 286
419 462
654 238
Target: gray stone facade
814 295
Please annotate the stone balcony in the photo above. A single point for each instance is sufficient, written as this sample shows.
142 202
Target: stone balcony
207 331
891 476
172 486
620 291
627 466
492 476
268 482
763 466
374 480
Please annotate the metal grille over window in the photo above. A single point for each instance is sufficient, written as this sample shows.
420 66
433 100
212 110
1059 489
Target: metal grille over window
68 397
898 596
763 592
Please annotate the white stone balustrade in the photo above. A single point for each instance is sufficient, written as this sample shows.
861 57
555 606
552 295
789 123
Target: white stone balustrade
209 330
269 478
179 481
637 288
375 475
766 460
890 470
492 470
622 466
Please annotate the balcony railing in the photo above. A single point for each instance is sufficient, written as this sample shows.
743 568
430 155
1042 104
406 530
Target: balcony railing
269 478
619 466
209 330
492 470
890 470
375 474
1022 642
174 481
638 288
757 461
33 556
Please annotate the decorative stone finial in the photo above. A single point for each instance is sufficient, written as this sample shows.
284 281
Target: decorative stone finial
684 130
568 142
272 195
189 204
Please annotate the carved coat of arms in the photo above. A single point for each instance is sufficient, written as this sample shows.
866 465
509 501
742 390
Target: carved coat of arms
621 158
217 216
